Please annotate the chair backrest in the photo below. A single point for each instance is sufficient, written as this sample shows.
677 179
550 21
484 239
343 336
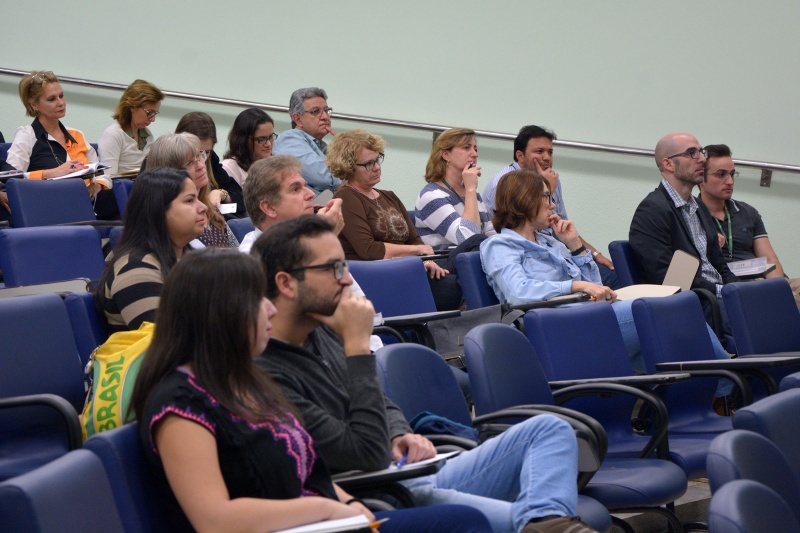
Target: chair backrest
396 287
763 316
740 454
673 328
241 227
48 202
122 188
580 342
38 352
71 493
138 498
503 369
746 506
775 417
87 327
477 291
55 253
4 150
417 379
625 264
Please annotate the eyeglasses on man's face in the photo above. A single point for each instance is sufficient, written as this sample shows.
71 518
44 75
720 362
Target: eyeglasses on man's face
316 111
337 267
722 174
370 165
266 139
199 159
694 153
150 114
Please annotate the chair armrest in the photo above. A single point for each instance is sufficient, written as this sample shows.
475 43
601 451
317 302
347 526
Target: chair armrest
386 330
552 302
94 223
716 368
418 318
658 441
57 403
646 380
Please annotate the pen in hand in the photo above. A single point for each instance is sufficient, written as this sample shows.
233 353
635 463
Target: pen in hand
402 461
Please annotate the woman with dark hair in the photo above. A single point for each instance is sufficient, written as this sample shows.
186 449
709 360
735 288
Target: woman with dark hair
251 138
182 151
125 143
163 216
449 209
227 449
224 189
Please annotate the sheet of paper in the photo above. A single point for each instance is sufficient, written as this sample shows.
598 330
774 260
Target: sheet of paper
643 290
330 526
227 209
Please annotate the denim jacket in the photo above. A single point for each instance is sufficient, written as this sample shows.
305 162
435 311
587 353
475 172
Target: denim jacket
521 271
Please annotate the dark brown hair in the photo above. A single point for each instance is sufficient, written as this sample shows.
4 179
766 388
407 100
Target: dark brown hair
207 317
518 198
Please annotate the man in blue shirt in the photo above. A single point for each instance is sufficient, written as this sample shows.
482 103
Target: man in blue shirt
311 122
533 150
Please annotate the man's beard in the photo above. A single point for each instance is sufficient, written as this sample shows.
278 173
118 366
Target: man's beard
312 302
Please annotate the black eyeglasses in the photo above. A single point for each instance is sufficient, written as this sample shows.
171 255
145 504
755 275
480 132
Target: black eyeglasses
315 111
150 114
337 267
268 138
548 197
691 152
721 174
370 165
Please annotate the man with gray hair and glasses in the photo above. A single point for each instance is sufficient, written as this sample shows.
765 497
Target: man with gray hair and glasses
311 122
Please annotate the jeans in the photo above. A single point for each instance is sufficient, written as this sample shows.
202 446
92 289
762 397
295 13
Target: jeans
527 472
628 329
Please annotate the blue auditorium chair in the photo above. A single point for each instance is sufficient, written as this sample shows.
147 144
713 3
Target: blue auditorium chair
505 373
585 342
740 454
241 227
51 253
122 189
41 383
4 150
48 202
625 264
763 316
775 417
69 495
417 379
477 292
138 499
88 328
746 506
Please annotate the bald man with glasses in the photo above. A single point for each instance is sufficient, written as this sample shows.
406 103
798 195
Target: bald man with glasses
669 218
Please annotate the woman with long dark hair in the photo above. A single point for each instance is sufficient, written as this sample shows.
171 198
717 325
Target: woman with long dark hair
251 138
216 430
162 217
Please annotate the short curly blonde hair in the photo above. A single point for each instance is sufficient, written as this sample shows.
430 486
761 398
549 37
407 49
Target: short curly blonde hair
32 86
343 151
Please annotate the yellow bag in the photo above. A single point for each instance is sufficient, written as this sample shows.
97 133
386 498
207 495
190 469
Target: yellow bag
115 365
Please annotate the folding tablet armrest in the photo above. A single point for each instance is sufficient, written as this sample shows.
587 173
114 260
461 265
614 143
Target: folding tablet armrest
658 441
57 403
734 376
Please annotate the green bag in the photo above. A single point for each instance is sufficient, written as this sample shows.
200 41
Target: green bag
115 365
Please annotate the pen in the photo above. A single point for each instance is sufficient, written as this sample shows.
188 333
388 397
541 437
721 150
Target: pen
376 523
402 462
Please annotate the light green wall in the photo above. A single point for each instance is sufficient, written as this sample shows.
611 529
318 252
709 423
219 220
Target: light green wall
621 73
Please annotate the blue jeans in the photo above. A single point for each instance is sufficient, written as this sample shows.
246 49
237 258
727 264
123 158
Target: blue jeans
435 520
628 329
527 472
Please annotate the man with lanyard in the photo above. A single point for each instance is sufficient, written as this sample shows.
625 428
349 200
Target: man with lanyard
533 150
742 234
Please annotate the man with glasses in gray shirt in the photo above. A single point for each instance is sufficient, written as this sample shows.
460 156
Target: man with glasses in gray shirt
670 219
311 122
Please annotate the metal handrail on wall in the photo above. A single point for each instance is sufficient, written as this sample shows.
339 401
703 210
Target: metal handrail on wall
766 167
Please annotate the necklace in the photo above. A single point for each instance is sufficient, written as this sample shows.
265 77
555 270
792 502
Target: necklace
368 195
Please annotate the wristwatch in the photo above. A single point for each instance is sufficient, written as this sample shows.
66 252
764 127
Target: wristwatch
595 253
